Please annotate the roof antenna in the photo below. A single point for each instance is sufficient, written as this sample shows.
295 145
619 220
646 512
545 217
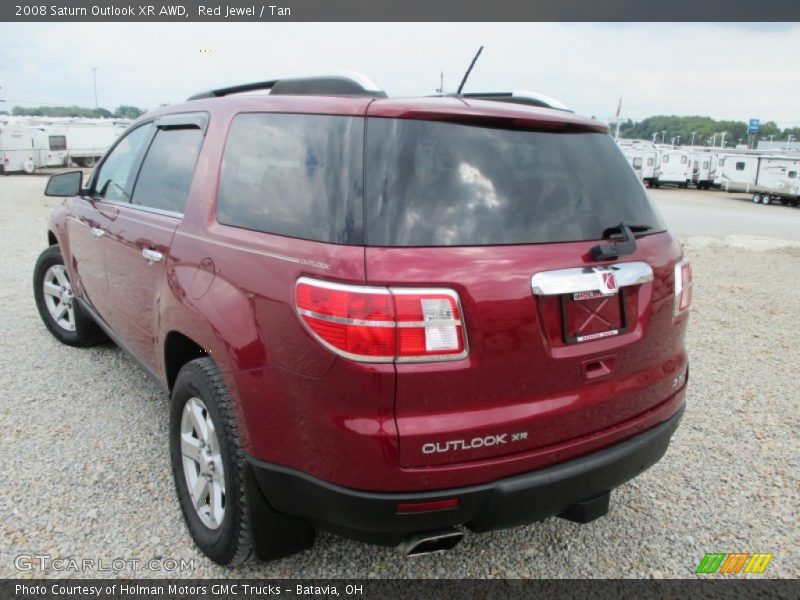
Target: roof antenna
469 70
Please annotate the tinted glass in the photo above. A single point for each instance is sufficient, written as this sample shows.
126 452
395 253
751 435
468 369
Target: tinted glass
167 169
58 142
740 166
442 184
294 175
117 173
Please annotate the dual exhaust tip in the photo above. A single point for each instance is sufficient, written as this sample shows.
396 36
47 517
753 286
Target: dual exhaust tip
431 542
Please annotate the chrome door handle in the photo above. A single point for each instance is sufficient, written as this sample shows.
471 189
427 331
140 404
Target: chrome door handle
152 256
98 233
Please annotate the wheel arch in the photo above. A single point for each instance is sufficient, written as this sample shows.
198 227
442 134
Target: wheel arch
179 349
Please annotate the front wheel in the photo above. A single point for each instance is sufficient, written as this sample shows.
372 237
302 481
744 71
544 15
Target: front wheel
60 312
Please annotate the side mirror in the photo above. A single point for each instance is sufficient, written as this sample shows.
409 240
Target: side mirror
64 184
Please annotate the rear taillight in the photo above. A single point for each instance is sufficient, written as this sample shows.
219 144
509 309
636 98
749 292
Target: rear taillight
683 286
376 324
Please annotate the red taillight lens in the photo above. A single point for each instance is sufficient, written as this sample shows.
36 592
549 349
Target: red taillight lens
683 286
383 325
354 322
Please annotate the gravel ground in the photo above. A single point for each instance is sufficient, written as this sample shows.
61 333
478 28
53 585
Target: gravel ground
87 475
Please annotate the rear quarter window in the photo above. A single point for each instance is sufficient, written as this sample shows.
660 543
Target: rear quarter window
294 175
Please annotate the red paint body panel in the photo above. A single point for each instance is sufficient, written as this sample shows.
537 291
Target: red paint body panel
362 425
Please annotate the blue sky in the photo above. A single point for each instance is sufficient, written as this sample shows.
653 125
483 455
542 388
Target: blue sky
731 71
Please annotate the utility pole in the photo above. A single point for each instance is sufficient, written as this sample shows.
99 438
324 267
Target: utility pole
723 134
663 136
440 89
94 79
655 135
678 143
693 133
770 141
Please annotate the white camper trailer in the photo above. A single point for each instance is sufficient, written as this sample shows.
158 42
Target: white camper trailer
777 180
737 172
87 141
25 148
675 167
704 169
643 158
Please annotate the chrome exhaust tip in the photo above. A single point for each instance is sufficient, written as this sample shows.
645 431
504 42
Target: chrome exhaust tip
431 542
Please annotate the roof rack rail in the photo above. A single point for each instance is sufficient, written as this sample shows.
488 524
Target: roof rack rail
520 97
351 84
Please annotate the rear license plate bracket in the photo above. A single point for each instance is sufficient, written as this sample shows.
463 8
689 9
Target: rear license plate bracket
587 316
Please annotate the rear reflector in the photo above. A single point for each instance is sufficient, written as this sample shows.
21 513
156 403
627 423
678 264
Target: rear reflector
413 507
683 286
375 324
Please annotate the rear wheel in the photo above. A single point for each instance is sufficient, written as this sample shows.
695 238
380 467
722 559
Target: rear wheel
756 198
212 478
60 312
766 199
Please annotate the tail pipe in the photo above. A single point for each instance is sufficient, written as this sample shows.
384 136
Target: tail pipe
431 542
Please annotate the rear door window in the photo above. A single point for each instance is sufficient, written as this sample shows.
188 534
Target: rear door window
167 170
295 175
444 184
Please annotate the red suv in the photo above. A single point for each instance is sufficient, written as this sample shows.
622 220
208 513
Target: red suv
388 318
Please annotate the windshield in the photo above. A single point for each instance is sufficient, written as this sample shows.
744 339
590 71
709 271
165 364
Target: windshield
444 184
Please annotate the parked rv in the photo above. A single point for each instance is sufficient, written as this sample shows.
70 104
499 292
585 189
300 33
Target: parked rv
675 168
777 180
738 172
704 168
25 148
87 140
643 159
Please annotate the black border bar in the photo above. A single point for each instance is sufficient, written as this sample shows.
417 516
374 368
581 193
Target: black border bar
401 10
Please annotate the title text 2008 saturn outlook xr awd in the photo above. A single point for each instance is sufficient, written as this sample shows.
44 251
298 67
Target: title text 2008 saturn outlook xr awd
387 318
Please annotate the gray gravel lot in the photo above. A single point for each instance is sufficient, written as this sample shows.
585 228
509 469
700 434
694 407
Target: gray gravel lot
86 473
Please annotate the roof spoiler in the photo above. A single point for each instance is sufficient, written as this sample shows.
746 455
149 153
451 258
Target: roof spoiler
520 97
352 84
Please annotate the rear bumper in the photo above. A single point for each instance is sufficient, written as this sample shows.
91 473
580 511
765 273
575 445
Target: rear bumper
509 502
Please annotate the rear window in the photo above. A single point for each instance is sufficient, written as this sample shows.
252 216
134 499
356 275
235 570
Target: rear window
294 175
444 184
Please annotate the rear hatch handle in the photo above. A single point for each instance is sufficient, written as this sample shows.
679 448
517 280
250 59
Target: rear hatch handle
621 248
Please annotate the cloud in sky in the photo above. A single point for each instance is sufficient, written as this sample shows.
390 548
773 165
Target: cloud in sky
730 71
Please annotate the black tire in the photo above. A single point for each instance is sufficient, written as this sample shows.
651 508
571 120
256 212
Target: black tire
86 332
233 541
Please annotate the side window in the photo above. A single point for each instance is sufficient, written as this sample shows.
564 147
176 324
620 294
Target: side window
665 159
167 169
637 162
295 175
721 161
683 160
58 142
792 174
115 178
705 164
740 166
649 162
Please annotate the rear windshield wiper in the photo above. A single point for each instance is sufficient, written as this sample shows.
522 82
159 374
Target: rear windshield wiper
617 249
